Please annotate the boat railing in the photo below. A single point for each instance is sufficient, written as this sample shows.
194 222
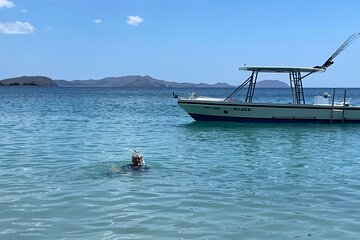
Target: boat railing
328 99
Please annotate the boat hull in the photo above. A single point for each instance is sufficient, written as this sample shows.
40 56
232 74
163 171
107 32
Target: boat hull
201 110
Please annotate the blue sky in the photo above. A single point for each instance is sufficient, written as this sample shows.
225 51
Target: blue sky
177 40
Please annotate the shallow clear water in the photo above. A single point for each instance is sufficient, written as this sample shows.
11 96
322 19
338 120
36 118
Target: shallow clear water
59 148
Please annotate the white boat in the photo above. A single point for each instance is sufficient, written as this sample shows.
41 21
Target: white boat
323 110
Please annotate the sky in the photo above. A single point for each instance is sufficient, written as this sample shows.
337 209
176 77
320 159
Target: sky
178 40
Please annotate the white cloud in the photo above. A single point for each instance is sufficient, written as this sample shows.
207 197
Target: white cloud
24 11
134 20
97 21
6 4
16 28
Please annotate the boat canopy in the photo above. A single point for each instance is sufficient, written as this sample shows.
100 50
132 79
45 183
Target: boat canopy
277 69
295 76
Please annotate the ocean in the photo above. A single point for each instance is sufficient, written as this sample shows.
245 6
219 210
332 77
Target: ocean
61 175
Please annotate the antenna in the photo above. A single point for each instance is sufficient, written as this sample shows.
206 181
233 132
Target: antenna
347 43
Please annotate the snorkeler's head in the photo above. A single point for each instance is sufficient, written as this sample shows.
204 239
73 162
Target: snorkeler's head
137 159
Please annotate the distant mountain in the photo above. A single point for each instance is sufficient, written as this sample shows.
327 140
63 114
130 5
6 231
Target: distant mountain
271 84
127 81
136 81
40 81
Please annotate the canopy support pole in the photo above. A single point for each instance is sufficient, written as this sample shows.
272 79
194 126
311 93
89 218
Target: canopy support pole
246 82
297 89
251 87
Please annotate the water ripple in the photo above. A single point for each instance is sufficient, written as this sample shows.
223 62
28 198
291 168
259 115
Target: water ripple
61 175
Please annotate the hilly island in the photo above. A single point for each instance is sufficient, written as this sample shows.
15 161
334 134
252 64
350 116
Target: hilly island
133 81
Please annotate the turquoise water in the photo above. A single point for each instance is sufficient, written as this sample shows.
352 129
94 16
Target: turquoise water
59 148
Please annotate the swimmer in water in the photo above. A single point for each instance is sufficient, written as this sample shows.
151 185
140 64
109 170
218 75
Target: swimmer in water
137 159
138 164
